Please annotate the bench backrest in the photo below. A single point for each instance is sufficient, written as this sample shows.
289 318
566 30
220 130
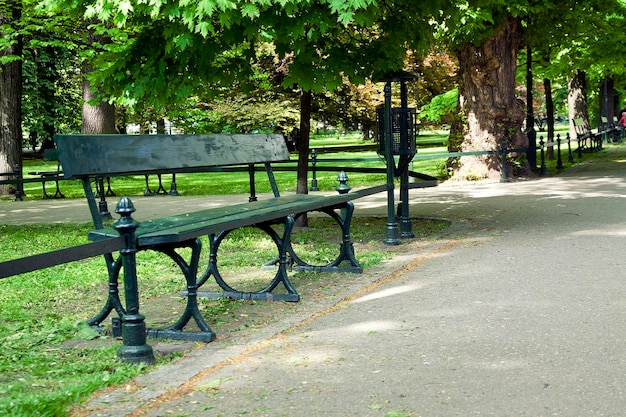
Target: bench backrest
580 127
113 155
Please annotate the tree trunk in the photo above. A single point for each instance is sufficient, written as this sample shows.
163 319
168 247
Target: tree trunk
98 115
10 97
547 88
160 126
577 101
98 118
607 93
306 99
491 111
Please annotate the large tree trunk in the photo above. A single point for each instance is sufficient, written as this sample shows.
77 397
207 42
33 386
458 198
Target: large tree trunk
577 101
607 101
99 117
10 97
490 109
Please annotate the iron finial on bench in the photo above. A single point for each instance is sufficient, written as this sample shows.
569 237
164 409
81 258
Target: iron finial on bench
343 187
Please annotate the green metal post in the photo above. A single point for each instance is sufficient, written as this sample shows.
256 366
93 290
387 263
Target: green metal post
559 159
392 233
134 348
406 226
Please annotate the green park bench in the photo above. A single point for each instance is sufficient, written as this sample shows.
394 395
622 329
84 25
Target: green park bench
610 131
14 178
86 157
588 141
46 176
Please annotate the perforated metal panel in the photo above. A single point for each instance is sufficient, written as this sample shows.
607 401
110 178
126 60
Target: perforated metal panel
403 131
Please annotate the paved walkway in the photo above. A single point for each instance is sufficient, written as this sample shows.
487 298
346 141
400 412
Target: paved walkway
519 310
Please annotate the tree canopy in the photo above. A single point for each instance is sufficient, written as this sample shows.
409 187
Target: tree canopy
167 50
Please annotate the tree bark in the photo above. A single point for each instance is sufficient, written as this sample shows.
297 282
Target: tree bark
10 97
98 115
304 138
577 101
490 110
160 126
607 101
98 118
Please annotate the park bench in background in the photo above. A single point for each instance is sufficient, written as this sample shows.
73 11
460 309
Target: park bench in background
588 141
45 176
609 131
86 157
620 130
14 178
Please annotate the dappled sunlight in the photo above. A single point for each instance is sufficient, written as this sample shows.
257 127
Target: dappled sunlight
554 187
597 232
388 292
366 327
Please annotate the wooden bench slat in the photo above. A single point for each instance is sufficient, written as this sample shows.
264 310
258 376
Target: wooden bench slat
111 155
179 228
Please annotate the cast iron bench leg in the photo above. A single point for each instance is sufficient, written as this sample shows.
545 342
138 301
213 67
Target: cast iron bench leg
113 301
281 276
190 270
346 252
58 193
161 189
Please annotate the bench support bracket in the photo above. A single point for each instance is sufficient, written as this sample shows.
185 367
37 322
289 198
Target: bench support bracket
281 276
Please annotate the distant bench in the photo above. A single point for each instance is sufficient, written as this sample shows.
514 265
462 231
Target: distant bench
611 131
86 157
45 176
588 141
14 179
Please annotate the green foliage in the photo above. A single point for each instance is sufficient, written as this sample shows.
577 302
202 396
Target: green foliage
51 92
440 105
214 43
237 114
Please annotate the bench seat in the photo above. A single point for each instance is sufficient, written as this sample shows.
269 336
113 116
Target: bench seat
182 227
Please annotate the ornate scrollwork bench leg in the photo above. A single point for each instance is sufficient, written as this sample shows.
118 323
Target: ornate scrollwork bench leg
346 250
189 270
281 276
